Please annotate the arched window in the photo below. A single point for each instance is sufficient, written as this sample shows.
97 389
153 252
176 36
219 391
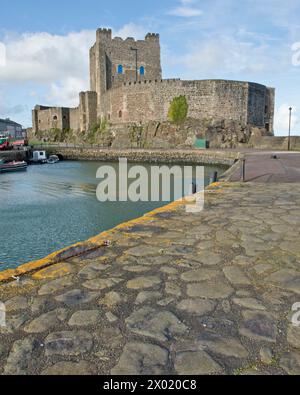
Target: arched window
55 118
120 69
120 114
142 70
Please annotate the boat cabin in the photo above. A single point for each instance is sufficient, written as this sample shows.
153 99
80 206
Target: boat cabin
39 156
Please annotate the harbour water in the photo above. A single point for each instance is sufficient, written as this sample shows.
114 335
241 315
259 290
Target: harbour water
52 206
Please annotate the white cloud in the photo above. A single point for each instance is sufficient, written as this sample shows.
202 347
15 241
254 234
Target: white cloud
186 9
57 63
186 12
66 91
2 55
281 125
227 56
131 30
42 57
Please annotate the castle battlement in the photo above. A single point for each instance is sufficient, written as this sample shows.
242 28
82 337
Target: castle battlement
143 82
103 34
152 37
106 35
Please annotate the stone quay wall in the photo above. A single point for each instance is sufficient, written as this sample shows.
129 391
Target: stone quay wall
225 158
275 143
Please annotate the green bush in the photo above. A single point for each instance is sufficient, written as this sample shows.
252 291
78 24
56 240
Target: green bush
97 131
178 110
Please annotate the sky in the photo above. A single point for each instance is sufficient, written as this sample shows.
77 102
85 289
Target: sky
46 47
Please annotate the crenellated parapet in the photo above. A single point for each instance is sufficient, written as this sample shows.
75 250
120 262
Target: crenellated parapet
152 37
147 82
105 34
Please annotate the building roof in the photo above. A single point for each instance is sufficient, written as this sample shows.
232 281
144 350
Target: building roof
9 122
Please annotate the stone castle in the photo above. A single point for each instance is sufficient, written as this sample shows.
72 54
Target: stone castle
127 87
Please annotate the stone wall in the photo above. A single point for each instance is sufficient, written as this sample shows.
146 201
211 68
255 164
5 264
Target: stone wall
74 118
87 110
109 53
152 156
274 143
46 118
144 101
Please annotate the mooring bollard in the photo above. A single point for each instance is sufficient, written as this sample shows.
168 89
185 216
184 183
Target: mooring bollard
2 315
243 171
213 177
194 188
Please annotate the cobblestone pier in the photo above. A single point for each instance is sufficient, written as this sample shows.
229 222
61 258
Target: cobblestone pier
172 293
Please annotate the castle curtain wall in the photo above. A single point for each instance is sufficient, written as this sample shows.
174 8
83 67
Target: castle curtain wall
218 99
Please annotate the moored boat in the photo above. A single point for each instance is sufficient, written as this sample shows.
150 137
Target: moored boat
9 167
53 159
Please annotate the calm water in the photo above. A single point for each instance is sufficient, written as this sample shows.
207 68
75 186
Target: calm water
52 206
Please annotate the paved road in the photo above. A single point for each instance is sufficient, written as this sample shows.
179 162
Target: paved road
206 293
262 167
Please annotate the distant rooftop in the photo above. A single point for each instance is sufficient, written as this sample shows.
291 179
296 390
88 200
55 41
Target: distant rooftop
8 121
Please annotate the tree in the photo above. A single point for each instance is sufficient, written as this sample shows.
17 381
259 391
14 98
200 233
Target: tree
178 110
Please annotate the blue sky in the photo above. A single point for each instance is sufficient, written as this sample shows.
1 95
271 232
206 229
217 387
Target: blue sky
47 45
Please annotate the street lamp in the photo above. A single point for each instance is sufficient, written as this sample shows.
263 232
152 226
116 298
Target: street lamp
136 63
290 123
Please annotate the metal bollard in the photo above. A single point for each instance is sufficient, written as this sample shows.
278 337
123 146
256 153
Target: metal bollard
194 188
243 170
213 177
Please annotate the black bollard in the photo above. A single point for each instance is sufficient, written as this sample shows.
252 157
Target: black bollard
194 188
213 177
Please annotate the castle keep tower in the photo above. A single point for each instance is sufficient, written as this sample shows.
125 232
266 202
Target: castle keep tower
114 61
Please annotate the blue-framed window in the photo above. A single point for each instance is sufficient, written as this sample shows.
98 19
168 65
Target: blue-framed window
120 69
142 70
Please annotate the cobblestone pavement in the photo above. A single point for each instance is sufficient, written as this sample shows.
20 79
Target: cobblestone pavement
207 293
269 167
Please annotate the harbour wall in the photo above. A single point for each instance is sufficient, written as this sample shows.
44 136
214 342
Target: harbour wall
13 155
279 143
226 158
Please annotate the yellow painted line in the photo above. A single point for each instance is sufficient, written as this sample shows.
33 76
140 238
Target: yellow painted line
97 241
91 243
